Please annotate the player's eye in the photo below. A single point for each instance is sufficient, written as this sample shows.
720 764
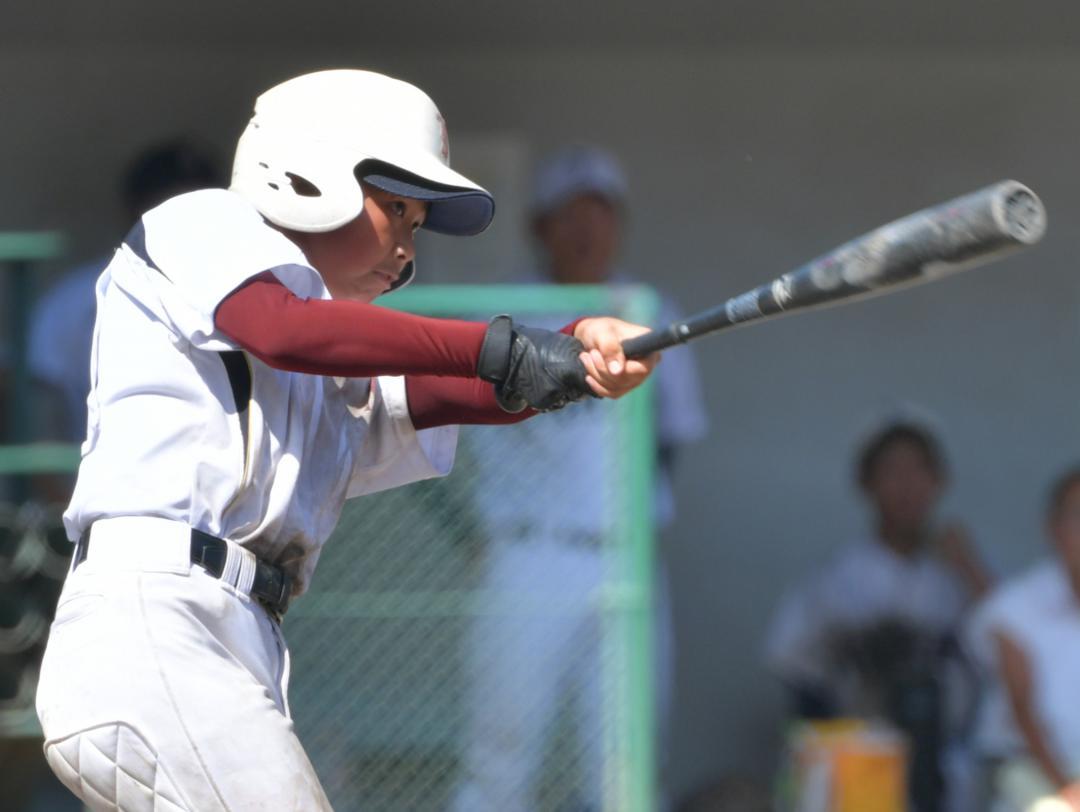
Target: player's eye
399 208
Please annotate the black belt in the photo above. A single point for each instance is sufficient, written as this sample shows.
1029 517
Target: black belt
270 587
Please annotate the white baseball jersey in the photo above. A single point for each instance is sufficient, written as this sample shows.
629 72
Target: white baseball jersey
225 443
865 583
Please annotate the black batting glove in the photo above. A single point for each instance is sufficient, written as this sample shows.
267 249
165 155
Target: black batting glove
531 367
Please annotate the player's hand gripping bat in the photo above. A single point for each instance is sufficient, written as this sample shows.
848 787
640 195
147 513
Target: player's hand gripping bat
963 233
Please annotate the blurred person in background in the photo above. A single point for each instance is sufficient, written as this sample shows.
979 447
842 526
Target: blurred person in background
873 633
548 545
1026 635
61 326
62 321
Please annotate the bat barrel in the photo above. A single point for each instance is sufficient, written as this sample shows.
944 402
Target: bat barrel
962 233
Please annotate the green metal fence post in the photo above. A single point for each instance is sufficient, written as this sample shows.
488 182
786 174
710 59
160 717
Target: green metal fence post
636 431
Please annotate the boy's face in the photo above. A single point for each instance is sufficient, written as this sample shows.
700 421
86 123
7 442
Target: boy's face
1065 530
364 258
904 487
580 239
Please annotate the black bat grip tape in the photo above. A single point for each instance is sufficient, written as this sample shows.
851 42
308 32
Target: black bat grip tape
648 343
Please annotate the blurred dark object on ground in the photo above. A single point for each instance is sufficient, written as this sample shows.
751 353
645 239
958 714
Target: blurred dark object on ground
733 793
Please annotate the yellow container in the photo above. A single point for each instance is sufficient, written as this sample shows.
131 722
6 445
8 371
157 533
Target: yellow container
849 765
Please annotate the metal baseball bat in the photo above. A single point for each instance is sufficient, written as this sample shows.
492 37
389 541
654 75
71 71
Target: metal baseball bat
962 233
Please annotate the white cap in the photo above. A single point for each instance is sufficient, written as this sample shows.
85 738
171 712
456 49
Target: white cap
577 171
310 137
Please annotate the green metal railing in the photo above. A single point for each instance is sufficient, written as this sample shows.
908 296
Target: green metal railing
629 596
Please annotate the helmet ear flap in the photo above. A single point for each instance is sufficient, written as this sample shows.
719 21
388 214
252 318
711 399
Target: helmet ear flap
293 185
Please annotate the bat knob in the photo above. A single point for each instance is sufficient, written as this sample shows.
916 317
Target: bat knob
1023 215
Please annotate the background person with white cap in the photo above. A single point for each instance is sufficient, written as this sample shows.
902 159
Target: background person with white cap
522 667
579 212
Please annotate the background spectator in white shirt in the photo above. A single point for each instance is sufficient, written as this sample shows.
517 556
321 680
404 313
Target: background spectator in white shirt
1027 636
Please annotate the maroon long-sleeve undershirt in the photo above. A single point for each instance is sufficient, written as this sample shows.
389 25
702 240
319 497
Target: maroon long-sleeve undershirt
357 340
436 401
344 338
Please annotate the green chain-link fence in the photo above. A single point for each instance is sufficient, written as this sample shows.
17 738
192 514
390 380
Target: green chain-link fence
482 642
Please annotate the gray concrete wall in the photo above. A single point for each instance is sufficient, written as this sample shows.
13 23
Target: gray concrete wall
745 161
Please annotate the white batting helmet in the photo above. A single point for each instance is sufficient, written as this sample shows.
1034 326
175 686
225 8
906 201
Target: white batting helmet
314 137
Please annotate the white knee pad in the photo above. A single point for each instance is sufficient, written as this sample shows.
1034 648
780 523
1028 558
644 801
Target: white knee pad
111 768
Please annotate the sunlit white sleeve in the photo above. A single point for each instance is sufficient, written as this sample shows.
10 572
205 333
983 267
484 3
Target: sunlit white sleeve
393 452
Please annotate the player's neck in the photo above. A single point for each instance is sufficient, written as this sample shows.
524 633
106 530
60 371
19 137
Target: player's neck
577 274
906 541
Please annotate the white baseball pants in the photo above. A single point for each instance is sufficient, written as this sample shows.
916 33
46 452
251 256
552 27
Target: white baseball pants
163 688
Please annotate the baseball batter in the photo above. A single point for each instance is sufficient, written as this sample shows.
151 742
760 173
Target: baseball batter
242 387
